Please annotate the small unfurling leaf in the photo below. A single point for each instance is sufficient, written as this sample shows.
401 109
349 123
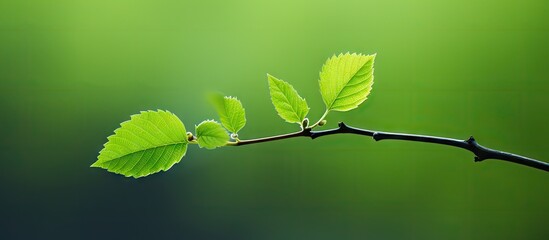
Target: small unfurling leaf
210 134
230 111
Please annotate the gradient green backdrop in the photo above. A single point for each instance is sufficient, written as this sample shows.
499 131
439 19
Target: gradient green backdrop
71 71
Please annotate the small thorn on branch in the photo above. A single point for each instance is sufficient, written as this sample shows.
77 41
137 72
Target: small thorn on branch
471 140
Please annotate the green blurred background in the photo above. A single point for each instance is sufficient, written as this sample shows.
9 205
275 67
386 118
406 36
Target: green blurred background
71 71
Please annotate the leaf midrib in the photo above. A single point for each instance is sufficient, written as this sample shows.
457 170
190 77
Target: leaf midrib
164 145
294 111
345 85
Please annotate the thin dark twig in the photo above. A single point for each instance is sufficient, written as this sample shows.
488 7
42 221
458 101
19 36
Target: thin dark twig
303 133
481 152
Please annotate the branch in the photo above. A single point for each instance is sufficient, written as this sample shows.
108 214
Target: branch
481 153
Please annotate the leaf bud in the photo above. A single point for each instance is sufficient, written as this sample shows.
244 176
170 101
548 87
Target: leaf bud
322 123
305 123
190 136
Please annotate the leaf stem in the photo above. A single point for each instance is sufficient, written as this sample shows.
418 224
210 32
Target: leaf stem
481 153
320 120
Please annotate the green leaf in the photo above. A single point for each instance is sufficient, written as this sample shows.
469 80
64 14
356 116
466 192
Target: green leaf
346 80
149 142
210 134
230 111
289 105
